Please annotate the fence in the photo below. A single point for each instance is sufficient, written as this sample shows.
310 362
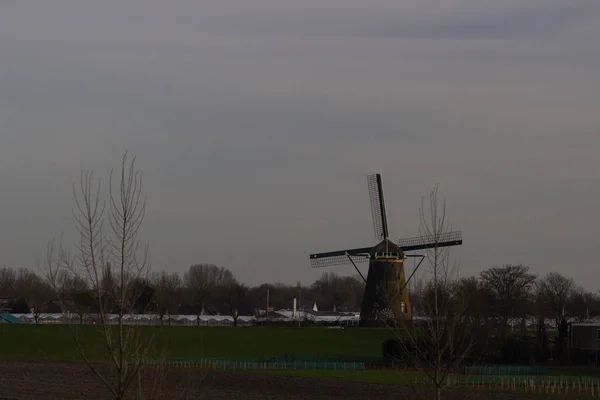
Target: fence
259 364
330 359
550 385
536 379
506 370
540 384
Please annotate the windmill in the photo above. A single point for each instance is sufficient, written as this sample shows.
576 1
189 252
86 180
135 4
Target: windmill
386 291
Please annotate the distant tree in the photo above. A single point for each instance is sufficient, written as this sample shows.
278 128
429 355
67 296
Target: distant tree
509 286
542 338
21 306
478 295
555 291
255 299
203 280
168 293
142 297
236 294
593 301
280 295
583 305
35 290
76 294
338 291
325 289
8 278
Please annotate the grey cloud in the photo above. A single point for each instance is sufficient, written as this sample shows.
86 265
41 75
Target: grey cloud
517 23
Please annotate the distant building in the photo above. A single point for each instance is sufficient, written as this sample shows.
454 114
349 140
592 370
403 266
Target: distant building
585 336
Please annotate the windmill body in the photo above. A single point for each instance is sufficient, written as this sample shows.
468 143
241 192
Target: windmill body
386 295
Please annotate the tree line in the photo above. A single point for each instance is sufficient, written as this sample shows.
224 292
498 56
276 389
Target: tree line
501 294
202 289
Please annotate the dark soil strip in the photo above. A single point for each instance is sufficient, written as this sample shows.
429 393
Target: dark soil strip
61 380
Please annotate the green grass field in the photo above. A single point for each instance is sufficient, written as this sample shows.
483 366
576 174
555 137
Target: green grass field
55 342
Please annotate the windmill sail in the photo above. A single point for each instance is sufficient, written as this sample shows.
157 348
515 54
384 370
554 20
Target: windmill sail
380 227
453 238
340 257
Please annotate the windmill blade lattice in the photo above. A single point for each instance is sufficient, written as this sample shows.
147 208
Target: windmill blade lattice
377 207
338 260
453 238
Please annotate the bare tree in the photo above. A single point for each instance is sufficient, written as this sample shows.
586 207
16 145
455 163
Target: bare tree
471 286
8 278
509 285
554 291
445 337
7 292
74 294
235 297
580 306
109 258
168 287
335 291
201 280
34 290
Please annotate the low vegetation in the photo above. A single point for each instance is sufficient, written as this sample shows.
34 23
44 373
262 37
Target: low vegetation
55 342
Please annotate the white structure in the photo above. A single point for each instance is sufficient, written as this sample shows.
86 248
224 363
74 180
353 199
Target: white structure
295 306
189 320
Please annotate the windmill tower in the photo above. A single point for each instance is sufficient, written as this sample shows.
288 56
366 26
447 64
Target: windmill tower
386 286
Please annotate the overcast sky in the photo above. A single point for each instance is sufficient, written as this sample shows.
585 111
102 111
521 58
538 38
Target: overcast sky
256 123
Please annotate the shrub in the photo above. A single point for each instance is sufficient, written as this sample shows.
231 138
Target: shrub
403 352
391 349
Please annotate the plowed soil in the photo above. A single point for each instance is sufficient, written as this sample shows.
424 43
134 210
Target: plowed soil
60 380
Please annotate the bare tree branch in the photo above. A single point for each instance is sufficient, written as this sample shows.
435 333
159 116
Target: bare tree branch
111 263
442 336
